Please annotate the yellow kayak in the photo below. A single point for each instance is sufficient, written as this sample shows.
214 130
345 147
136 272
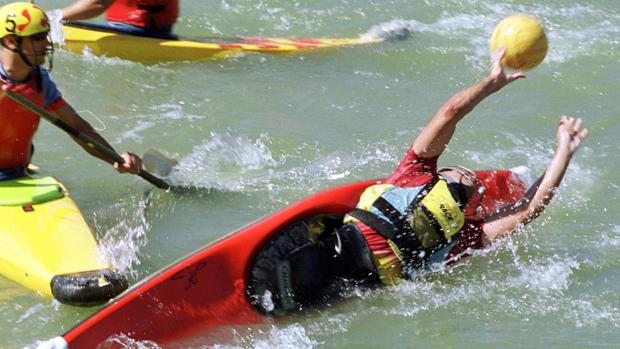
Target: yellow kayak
104 40
47 246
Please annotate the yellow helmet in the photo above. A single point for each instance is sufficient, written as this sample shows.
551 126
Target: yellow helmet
22 19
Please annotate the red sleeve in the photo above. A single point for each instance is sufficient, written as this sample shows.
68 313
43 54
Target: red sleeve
413 170
59 103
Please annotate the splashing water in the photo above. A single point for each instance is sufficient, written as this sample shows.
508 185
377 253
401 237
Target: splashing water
398 29
162 112
238 164
223 161
553 276
88 56
127 342
610 239
290 337
121 243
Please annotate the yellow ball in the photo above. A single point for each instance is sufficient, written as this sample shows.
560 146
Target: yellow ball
524 39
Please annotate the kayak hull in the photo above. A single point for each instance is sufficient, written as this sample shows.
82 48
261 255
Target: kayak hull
207 289
102 41
48 240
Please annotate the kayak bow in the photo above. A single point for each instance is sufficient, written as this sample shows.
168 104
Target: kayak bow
48 247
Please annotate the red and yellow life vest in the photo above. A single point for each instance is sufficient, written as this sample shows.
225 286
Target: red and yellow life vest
150 14
416 221
18 125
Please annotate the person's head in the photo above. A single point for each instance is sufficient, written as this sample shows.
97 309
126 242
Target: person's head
443 207
24 29
468 191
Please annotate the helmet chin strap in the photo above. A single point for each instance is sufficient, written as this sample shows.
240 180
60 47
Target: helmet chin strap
21 53
49 53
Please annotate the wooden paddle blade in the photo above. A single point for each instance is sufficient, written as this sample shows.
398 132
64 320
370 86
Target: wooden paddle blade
156 162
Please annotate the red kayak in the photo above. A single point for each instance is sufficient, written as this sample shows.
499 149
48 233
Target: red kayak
207 289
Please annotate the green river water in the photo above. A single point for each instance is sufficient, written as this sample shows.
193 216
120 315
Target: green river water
259 132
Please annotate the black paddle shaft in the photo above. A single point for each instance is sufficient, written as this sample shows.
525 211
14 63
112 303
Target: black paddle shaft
110 154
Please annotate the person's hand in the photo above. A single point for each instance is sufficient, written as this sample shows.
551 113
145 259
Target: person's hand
132 164
569 136
498 76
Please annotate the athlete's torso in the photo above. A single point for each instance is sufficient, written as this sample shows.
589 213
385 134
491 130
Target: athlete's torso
413 176
17 124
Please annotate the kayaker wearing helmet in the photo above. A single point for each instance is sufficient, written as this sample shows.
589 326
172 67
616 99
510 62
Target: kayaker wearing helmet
24 28
131 16
419 215
416 217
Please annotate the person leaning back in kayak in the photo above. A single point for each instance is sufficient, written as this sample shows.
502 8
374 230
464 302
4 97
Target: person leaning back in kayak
417 217
131 16
24 28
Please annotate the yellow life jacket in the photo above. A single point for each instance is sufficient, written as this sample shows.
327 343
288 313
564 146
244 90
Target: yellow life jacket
415 220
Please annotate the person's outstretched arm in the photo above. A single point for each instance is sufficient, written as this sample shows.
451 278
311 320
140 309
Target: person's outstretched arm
85 9
508 219
437 134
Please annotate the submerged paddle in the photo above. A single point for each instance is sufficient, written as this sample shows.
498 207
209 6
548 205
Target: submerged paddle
156 162
107 152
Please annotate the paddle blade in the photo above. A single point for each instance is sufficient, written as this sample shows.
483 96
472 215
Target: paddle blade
156 162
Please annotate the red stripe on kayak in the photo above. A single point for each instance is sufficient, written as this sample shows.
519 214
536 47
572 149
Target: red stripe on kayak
307 41
305 47
231 46
256 40
261 47
311 43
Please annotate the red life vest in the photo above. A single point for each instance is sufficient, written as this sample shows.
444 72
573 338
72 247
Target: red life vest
150 14
18 125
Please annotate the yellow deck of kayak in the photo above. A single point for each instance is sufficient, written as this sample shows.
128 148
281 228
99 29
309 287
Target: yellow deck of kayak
41 240
145 49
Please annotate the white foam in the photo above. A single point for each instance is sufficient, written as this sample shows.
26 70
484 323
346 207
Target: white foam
610 239
290 337
224 161
125 341
54 343
236 163
173 111
30 312
333 325
88 56
524 174
134 133
398 29
551 276
121 243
